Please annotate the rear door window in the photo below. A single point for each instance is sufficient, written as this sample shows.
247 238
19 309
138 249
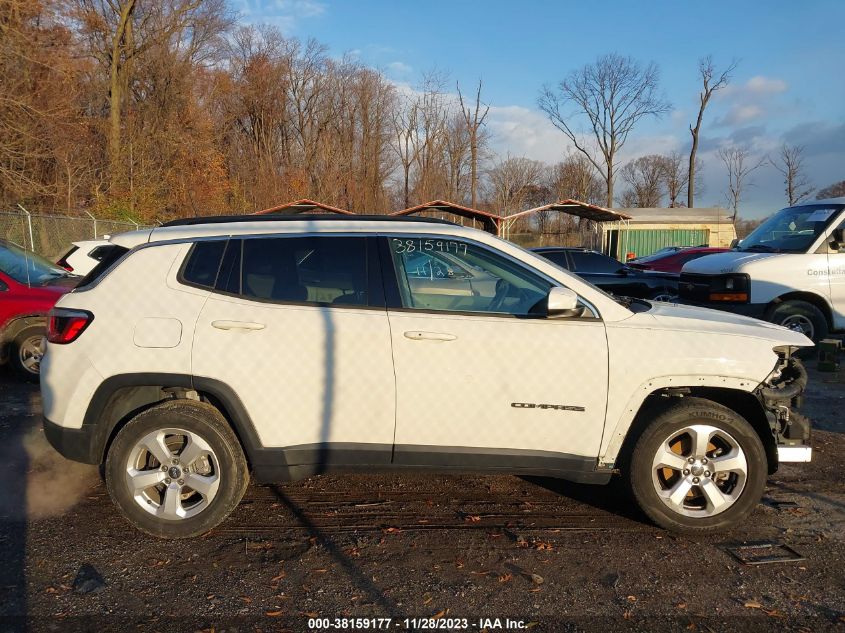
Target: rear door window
586 262
325 270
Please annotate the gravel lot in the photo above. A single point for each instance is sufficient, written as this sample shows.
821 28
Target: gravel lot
555 556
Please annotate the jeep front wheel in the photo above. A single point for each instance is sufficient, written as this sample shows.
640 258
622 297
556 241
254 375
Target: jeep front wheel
698 467
176 470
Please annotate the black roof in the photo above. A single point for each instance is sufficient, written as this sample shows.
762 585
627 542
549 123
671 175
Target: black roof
302 217
544 249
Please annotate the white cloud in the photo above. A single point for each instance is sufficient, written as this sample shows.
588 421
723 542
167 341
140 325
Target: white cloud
524 132
741 114
284 14
399 69
765 86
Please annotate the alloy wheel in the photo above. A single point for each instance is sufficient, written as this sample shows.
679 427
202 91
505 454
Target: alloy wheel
699 471
173 473
30 353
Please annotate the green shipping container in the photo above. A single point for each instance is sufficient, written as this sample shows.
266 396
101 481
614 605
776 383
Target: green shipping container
644 242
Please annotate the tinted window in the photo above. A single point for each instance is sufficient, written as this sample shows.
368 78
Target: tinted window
586 262
328 270
451 275
556 257
203 263
112 253
98 253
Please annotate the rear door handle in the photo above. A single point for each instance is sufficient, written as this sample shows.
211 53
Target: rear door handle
237 325
416 335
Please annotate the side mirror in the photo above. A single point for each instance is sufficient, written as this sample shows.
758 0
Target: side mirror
735 242
563 302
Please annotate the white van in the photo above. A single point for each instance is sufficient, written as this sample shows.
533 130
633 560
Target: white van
790 271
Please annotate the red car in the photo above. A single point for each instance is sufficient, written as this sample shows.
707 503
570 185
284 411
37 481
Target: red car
672 261
29 286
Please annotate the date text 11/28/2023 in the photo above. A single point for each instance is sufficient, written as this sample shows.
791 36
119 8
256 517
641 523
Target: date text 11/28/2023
419 624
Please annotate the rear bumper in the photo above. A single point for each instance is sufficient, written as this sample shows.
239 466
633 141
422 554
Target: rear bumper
74 444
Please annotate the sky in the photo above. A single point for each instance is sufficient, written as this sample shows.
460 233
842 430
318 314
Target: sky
789 85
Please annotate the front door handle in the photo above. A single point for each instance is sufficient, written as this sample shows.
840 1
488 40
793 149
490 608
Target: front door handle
237 325
416 335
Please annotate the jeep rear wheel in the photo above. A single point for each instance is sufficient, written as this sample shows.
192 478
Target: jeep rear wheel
176 470
698 467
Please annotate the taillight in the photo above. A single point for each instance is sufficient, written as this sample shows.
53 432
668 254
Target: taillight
65 326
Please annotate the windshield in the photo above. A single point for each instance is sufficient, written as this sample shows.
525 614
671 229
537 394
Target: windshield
791 230
28 268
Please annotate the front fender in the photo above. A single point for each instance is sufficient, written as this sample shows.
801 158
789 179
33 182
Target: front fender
616 431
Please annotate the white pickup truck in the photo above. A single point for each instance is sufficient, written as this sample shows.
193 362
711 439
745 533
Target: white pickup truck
790 271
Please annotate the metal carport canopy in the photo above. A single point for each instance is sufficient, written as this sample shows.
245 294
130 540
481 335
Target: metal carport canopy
577 208
303 206
490 221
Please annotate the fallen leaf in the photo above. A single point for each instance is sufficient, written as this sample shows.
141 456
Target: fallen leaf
537 579
627 615
439 614
472 518
459 563
246 599
392 530
274 614
682 605
753 604
505 577
310 614
632 598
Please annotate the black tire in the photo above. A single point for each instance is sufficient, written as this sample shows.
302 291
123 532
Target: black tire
673 419
19 348
783 312
209 424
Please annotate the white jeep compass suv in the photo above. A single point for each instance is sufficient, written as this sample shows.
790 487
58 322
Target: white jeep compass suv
208 349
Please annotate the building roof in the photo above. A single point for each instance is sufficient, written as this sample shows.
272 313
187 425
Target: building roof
578 208
678 215
303 206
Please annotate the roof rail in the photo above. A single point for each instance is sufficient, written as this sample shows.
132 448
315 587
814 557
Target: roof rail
302 217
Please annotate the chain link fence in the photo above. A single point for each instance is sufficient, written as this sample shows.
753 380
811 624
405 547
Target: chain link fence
52 235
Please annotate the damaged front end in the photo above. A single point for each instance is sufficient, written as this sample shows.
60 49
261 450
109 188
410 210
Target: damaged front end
780 394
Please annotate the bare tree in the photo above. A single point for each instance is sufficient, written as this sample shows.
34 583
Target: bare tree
645 175
710 83
613 93
404 129
474 117
835 190
790 163
675 176
740 165
575 178
513 181
119 32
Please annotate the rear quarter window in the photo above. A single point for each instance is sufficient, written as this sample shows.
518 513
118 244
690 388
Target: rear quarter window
110 256
202 264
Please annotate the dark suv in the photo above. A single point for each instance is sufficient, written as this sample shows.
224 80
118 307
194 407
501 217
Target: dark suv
611 275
